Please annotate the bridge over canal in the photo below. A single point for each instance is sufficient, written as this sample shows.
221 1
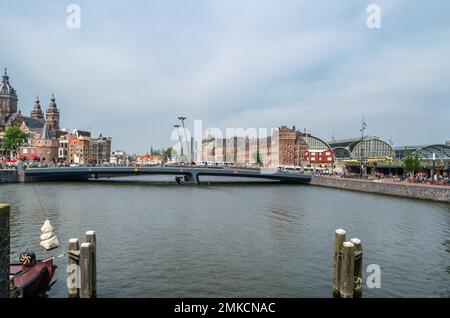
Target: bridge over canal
187 174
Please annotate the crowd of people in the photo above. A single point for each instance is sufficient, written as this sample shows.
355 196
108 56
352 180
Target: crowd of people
420 177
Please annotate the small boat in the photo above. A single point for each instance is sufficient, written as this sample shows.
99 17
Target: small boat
29 281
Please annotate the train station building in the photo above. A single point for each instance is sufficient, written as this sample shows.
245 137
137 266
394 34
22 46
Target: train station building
367 148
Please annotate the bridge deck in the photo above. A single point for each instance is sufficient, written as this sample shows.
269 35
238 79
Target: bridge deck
191 173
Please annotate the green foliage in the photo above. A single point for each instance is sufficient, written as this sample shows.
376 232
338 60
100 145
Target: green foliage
167 154
411 164
14 138
258 158
156 152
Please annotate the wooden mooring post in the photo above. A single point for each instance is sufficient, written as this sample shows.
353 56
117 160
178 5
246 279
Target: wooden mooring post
357 276
91 238
4 250
347 266
73 280
347 270
86 270
84 256
339 239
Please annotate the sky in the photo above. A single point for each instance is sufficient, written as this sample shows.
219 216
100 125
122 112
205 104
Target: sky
133 67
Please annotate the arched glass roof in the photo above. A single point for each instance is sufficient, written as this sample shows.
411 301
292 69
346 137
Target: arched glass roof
373 148
442 152
342 153
315 143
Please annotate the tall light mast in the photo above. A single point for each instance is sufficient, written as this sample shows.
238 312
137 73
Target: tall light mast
185 136
363 128
179 137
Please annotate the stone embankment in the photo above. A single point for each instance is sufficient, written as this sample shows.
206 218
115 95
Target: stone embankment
413 191
8 176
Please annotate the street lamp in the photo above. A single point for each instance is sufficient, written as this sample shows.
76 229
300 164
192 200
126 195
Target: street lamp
179 137
363 128
185 136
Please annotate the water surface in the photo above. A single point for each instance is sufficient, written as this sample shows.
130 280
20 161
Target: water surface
234 240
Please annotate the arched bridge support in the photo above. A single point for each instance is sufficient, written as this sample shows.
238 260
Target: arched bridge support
192 177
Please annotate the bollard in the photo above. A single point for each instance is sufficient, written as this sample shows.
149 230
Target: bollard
91 238
357 278
4 250
86 270
347 270
339 239
73 280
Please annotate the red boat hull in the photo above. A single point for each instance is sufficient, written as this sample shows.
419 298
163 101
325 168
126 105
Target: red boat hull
31 281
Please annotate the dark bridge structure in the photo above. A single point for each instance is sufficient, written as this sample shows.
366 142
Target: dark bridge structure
182 174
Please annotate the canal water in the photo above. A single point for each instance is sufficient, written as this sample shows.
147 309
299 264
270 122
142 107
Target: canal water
234 240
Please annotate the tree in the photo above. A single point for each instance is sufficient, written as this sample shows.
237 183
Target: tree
411 164
258 158
155 152
167 154
14 138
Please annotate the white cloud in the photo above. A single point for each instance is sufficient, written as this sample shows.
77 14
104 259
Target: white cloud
231 63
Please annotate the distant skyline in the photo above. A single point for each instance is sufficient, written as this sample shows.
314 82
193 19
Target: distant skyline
133 68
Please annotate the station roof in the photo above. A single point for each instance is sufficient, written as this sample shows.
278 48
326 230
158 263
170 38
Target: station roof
441 151
350 143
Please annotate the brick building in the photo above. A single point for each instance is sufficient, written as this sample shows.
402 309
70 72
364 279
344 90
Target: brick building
285 147
99 150
43 147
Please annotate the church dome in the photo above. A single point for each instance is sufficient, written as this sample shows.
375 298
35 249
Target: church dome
5 88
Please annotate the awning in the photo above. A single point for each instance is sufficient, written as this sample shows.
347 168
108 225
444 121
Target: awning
25 157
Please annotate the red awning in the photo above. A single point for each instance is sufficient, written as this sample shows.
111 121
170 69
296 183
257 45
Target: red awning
25 157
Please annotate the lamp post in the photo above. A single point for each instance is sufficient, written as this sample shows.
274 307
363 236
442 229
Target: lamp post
309 152
182 118
433 170
179 137
363 128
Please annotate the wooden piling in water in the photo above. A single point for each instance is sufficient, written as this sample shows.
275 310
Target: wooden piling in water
86 270
357 274
73 252
347 270
91 238
339 239
4 250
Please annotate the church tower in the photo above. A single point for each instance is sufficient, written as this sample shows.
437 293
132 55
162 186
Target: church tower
52 116
37 113
8 99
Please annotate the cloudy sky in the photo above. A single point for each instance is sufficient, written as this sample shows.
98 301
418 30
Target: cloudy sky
134 66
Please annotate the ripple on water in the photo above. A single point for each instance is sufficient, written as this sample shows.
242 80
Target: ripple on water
235 240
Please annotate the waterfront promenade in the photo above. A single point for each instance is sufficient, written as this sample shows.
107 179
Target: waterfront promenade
421 191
